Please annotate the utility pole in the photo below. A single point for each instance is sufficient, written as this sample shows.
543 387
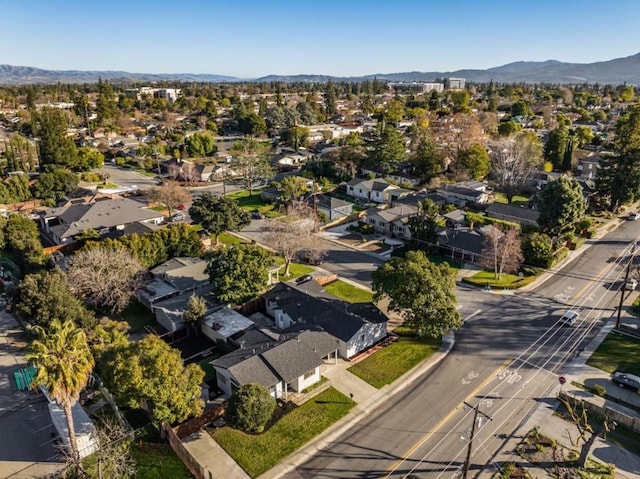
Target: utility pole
624 285
467 461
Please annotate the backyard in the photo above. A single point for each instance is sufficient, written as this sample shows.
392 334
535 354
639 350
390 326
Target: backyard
137 316
259 453
254 202
389 363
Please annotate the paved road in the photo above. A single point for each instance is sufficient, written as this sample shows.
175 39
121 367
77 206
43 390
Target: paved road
347 262
419 431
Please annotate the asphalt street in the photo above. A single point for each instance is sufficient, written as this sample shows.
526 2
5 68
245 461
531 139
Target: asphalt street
507 356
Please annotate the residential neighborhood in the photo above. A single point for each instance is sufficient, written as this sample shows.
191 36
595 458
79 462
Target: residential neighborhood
235 279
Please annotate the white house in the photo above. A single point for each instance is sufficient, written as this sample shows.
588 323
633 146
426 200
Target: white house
355 327
376 190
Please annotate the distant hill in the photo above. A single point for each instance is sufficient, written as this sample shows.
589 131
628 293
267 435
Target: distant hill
616 71
18 75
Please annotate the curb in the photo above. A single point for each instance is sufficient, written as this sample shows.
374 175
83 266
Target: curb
288 464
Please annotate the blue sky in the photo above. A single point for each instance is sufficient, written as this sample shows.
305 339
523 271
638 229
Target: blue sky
252 38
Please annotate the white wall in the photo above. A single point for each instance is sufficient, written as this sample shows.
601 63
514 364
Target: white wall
368 335
223 379
301 383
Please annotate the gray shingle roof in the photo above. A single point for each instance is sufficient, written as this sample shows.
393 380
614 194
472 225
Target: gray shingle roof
513 211
291 359
333 316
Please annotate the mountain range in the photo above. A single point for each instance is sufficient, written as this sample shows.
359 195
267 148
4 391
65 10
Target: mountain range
616 71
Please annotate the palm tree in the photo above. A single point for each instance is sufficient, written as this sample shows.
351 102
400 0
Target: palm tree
64 361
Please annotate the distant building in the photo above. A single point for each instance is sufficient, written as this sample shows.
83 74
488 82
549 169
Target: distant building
454 83
416 87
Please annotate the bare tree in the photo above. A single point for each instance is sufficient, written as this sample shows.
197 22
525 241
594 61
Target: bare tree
588 430
501 250
513 161
105 277
169 194
293 233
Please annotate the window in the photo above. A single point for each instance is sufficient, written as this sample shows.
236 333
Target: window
310 374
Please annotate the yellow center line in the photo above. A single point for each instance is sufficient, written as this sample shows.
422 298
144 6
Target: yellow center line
426 437
591 281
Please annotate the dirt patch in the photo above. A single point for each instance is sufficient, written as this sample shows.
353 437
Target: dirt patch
559 461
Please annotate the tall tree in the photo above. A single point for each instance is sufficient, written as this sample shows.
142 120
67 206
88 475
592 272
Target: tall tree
513 161
292 187
556 146
501 250
196 309
64 361
424 224
291 234
54 146
252 159
389 149
421 291
330 101
474 161
151 372
618 180
218 214
201 144
238 273
561 206
170 194
427 160
46 296
105 277
106 105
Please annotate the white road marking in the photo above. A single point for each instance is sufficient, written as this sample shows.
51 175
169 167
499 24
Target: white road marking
471 316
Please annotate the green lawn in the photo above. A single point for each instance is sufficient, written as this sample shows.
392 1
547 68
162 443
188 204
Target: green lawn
296 269
348 292
137 316
226 238
259 453
160 208
158 461
389 363
617 352
516 201
252 202
510 281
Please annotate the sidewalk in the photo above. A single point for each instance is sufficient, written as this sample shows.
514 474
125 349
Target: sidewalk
543 417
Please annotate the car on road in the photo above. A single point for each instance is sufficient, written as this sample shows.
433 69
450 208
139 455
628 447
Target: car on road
178 217
631 284
569 318
634 216
625 380
304 279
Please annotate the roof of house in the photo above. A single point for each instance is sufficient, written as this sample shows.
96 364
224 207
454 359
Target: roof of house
173 264
292 358
326 202
456 215
175 306
338 318
394 214
460 191
227 322
102 213
183 273
513 211
262 360
466 239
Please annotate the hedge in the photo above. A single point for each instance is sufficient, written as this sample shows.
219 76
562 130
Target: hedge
576 243
481 220
560 255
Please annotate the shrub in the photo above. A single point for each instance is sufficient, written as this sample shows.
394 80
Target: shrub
577 243
561 254
599 390
590 233
250 408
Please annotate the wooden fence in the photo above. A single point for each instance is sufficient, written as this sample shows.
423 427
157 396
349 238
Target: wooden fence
185 456
597 405
326 279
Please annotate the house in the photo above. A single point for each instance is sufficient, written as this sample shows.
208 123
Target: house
455 218
223 323
391 221
587 168
172 278
109 217
376 190
461 194
290 363
516 214
465 244
169 312
185 170
333 207
355 326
